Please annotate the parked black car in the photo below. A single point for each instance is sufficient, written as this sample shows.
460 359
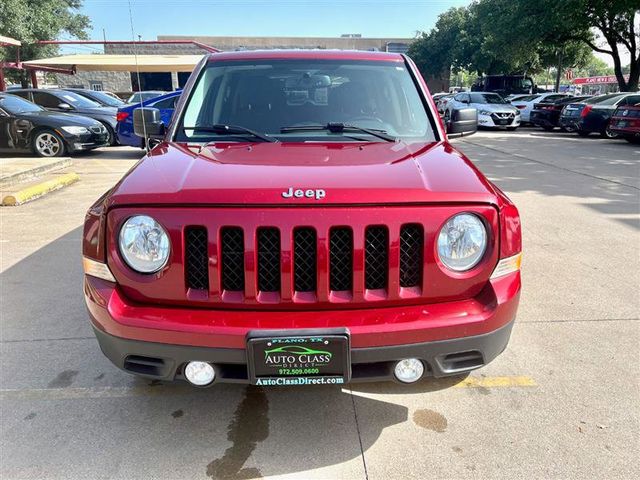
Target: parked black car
58 100
25 126
102 98
593 114
546 114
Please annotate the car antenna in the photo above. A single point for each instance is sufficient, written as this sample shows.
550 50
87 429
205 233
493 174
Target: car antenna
135 56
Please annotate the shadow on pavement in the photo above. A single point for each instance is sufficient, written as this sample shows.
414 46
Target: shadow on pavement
601 174
112 153
139 428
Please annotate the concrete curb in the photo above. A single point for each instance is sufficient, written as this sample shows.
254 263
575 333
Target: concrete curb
40 189
36 171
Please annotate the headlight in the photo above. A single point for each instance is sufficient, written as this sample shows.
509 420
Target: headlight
144 244
75 130
484 112
462 242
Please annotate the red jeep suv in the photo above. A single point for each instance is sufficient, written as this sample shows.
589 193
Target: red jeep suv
303 220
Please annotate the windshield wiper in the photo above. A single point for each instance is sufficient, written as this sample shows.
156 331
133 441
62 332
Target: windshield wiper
222 129
338 127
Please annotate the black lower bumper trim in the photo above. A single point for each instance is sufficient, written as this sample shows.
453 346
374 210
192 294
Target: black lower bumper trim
442 358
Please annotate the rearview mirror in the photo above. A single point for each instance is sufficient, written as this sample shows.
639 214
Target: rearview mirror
147 123
65 106
462 121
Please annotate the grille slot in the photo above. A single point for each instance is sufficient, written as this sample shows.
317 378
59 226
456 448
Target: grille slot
376 257
304 260
341 259
411 247
232 239
269 259
196 258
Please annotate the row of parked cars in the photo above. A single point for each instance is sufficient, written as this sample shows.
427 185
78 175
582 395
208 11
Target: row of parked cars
56 122
610 115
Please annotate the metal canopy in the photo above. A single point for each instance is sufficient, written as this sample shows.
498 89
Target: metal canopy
120 63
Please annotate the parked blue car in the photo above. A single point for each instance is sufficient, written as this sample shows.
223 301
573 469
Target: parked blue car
124 128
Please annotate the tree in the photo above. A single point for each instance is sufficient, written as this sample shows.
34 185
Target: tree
496 37
616 24
435 52
525 36
33 20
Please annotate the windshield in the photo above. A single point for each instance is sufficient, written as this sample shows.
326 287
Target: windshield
77 101
16 105
269 95
608 99
107 99
143 96
487 98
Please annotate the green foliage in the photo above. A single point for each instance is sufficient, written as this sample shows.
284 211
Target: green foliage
32 20
525 36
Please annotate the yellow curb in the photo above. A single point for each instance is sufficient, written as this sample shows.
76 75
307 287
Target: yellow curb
35 191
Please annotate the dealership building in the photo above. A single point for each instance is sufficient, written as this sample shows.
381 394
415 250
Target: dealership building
122 78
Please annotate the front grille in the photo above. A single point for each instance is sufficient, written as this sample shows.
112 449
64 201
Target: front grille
232 248
304 260
411 246
196 258
341 259
269 259
376 257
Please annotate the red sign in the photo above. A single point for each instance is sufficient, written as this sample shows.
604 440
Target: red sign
597 80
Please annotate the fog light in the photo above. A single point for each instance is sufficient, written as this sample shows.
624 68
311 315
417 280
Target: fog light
409 370
199 373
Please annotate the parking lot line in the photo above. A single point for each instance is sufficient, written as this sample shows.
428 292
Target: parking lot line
73 393
496 382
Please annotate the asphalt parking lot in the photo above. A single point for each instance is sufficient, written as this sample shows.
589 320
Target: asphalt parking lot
562 401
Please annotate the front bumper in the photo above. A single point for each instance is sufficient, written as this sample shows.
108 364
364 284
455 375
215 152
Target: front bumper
78 143
450 338
490 121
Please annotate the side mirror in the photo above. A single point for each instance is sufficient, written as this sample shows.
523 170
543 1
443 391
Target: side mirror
65 106
147 123
463 121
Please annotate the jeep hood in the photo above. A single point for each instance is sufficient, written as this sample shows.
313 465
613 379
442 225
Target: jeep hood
258 173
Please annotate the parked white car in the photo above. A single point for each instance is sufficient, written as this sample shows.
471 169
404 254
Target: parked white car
525 104
493 110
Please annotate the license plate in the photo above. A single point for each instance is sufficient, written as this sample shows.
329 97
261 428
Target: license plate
502 122
622 123
321 358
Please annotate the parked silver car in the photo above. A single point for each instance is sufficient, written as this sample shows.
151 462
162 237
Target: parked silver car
493 110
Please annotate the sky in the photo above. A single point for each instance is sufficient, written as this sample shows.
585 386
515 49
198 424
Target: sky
296 18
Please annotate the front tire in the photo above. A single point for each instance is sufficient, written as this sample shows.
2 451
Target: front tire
47 144
112 140
446 120
606 133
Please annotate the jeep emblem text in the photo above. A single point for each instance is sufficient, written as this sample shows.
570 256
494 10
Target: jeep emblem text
318 193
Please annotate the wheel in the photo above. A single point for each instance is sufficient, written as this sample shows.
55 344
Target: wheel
446 120
47 144
606 133
582 133
111 139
